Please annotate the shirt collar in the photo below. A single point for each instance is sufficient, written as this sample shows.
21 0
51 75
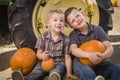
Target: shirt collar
50 37
90 29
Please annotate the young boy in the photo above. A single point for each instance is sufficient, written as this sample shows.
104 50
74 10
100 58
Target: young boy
51 44
55 44
83 32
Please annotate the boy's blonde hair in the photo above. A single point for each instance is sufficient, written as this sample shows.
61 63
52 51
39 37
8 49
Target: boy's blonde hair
54 11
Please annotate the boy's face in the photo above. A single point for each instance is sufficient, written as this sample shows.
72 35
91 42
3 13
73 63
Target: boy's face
56 22
76 19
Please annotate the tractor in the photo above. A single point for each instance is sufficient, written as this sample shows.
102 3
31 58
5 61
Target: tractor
22 21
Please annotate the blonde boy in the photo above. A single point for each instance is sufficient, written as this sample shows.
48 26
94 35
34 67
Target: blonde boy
51 44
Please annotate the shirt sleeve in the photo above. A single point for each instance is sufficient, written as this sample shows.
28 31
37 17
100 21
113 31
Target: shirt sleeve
102 35
74 39
67 46
40 44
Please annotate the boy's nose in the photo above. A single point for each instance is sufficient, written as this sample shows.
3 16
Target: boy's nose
58 22
76 19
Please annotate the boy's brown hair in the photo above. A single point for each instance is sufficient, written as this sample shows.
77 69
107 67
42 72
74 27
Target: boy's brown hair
68 11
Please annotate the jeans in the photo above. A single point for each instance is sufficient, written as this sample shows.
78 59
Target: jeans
110 71
38 74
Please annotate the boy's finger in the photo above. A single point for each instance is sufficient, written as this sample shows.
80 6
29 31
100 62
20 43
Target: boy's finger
45 52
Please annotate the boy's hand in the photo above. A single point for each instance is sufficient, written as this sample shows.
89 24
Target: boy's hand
95 58
45 55
72 76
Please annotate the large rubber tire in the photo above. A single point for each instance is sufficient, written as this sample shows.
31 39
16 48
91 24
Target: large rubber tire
4 30
20 23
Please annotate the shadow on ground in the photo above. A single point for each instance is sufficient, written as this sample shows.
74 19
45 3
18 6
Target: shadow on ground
114 38
116 55
4 59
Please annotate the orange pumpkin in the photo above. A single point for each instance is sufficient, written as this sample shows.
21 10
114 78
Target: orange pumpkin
23 59
114 2
91 46
48 65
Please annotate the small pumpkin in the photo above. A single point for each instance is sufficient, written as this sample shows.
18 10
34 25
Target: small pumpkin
23 59
91 46
48 65
114 2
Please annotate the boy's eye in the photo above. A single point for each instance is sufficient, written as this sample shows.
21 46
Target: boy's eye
77 15
62 20
55 19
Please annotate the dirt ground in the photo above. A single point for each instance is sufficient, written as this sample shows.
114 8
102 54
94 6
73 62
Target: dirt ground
6 51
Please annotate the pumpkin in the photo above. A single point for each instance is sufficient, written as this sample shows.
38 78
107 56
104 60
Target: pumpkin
48 65
23 59
114 2
91 46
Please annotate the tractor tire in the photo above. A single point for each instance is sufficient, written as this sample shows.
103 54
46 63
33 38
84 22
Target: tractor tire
4 30
20 23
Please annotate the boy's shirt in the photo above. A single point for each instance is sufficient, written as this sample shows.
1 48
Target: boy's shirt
57 49
94 33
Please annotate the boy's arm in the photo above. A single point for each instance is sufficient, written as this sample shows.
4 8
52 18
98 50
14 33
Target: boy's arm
42 55
78 52
68 62
39 52
94 58
109 49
